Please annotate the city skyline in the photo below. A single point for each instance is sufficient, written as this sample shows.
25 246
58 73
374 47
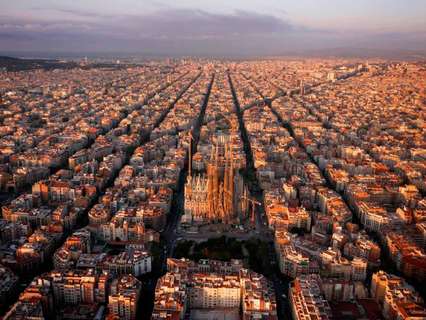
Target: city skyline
202 189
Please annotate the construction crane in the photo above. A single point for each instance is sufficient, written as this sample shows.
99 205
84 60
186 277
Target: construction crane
191 137
253 204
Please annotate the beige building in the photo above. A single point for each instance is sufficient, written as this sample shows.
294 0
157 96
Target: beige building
124 296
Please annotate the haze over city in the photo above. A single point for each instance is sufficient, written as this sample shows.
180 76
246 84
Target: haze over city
188 27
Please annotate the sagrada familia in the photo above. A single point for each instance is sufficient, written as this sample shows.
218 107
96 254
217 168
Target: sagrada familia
218 195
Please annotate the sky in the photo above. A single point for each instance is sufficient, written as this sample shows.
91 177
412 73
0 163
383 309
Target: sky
202 27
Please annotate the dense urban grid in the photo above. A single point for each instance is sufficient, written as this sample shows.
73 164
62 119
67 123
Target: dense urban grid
195 189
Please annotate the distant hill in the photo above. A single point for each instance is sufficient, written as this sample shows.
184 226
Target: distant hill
347 52
17 64
22 64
